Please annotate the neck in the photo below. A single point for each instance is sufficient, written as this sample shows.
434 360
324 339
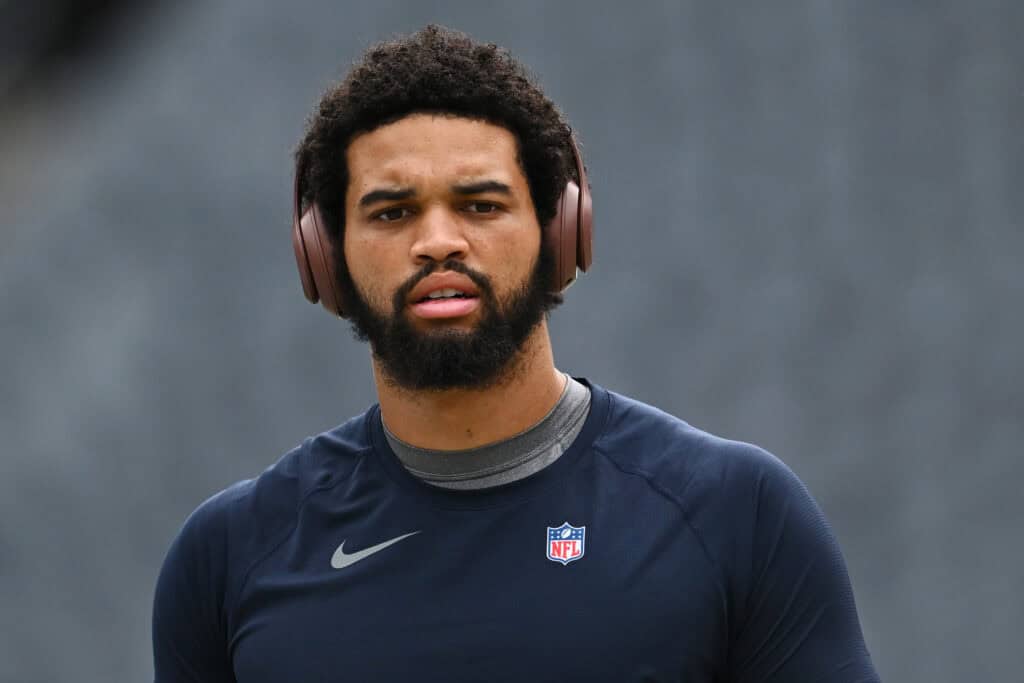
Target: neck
457 419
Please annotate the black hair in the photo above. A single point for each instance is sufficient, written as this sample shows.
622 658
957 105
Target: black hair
435 70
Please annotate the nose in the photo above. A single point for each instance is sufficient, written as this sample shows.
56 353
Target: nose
439 236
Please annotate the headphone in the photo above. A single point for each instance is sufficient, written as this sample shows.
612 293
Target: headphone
569 237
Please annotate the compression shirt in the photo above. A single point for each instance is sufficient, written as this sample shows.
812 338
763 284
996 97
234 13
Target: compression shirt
507 460
649 551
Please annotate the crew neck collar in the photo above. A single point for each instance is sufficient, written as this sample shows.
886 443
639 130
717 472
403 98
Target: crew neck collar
497 495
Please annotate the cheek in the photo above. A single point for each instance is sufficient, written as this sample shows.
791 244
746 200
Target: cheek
368 269
517 255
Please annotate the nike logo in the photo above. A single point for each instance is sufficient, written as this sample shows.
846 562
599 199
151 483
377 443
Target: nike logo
341 559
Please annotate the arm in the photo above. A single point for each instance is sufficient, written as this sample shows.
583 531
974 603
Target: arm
189 632
799 619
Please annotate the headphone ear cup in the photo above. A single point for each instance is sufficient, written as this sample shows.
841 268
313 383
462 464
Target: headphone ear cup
316 264
560 239
302 261
585 236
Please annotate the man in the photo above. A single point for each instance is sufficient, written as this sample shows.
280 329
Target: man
491 519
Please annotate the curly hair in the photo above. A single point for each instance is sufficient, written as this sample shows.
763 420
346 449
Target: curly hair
435 70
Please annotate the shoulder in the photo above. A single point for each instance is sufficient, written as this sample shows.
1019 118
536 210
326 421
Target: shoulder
236 526
320 461
692 466
206 565
743 503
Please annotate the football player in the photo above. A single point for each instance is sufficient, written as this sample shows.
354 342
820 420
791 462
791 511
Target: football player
490 518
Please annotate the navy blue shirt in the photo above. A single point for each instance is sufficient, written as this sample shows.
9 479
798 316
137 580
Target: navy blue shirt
650 551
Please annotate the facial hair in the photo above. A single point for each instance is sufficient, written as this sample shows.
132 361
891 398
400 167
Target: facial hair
436 360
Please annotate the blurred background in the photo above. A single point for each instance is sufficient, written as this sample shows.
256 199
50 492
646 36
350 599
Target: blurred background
808 236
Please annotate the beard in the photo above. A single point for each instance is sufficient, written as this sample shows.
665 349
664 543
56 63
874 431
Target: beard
447 358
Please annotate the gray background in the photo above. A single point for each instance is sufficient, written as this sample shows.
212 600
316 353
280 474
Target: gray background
808 236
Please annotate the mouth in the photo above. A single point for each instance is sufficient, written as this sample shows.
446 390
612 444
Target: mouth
445 303
444 295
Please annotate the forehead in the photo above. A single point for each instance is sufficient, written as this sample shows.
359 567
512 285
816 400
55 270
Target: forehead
431 147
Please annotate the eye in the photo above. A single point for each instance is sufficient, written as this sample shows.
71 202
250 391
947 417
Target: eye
482 207
391 215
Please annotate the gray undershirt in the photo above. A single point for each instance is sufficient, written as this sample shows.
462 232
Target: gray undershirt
504 461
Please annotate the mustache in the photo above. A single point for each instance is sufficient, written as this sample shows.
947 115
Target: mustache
482 282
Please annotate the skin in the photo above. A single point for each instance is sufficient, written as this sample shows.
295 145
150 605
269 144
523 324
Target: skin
493 232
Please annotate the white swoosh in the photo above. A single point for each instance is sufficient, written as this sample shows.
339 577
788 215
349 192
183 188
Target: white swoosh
341 559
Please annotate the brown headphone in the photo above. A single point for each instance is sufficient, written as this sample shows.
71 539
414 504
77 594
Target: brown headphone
569 236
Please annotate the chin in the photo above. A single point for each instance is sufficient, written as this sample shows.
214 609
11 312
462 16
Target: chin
447 330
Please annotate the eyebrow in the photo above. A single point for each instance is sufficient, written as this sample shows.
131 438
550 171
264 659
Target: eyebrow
482 187
385 195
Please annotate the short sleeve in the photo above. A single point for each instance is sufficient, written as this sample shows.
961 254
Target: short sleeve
799 621
189 632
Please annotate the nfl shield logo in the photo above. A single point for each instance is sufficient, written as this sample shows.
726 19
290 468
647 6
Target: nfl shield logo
565 543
